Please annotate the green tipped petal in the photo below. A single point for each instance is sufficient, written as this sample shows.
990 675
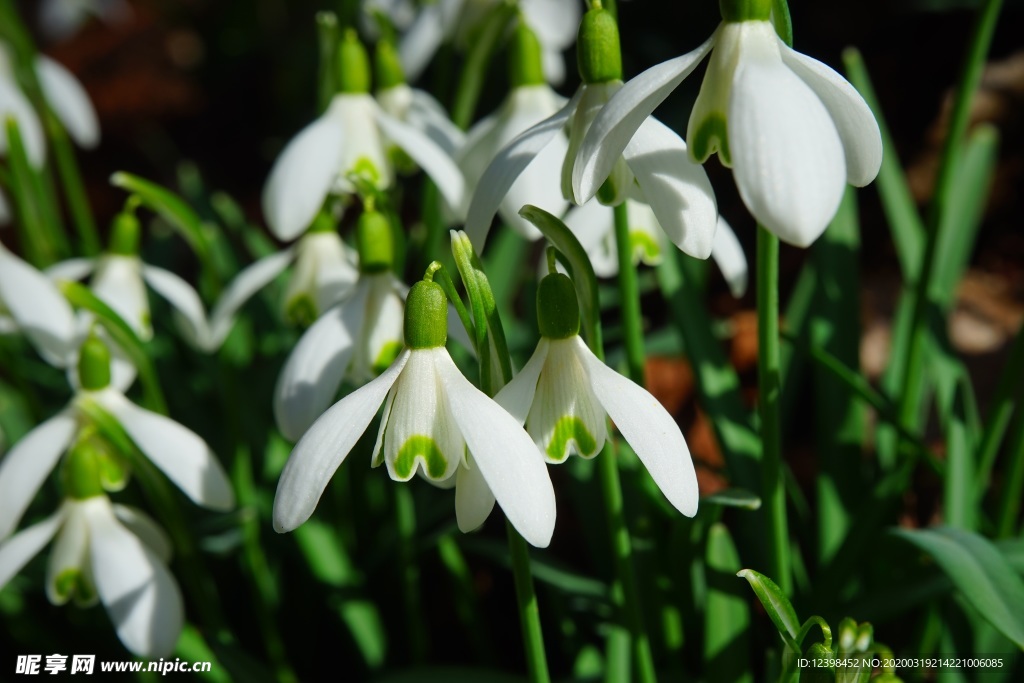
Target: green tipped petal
423 449
571 431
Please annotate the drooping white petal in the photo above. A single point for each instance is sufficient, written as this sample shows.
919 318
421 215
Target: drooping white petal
71 270
382 326
555 22
613 128
728 255
364 153
649 430
516 397
302 176
139 593
593 225
250 280
324 446
178 451
473 498
787 156
421 41
677 189
427 114
313 372
146 528
26 466
13 104
17 550
506 167
118 283
323 272
69 101
70 553
182 296
429 156
506 456
38 308
857 127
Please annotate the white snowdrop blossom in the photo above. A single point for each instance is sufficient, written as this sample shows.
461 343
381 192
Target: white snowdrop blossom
564 396
111 553
177 451
31 303
435 423
554 22
350 138
793 130
594 226
653 168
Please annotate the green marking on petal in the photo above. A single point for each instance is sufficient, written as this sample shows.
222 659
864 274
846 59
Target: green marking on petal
388 353
424 449
711 136
114 471
645 248
85 592
301 311
66 582
570 428
364 169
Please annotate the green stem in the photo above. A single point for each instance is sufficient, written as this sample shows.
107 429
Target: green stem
74 189
406 519
529 612
630 297
484 48
773 491
1009 504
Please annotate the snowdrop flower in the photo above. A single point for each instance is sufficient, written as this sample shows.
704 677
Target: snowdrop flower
654 166
457 21
435 423
530 102
14 104
358 337
565 394
594 226
349 139
182 455
794 131
106 552
30 303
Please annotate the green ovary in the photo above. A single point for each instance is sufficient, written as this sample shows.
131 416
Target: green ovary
711 136
570 428
424 449
388 353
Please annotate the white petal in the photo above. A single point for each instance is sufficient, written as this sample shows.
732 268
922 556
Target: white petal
553 65
613 128
146 528
507 166
593 224
14 104
70 552
38 307
302 176
786 154
539 184
427 114
178 451
324 446
857 127
649 430
555 22
516 397
69 101
250 280
429 156
421 41
181 296
117 282
473 498
381 328
313 372
506 456
26 466
728 254
140 595
676 188
71 270
17 550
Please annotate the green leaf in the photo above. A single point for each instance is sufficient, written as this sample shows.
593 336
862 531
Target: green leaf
726 615
735 498
450 674
980 572
776 604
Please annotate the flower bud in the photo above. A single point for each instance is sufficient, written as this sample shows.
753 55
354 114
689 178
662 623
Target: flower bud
388 65
820 672
94 364
525 58
80 475
124 234
353 65
597 48
745 10
426 316
375 242
558 311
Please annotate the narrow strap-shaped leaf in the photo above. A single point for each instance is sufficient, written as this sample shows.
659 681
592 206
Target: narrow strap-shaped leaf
776 604
726 613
